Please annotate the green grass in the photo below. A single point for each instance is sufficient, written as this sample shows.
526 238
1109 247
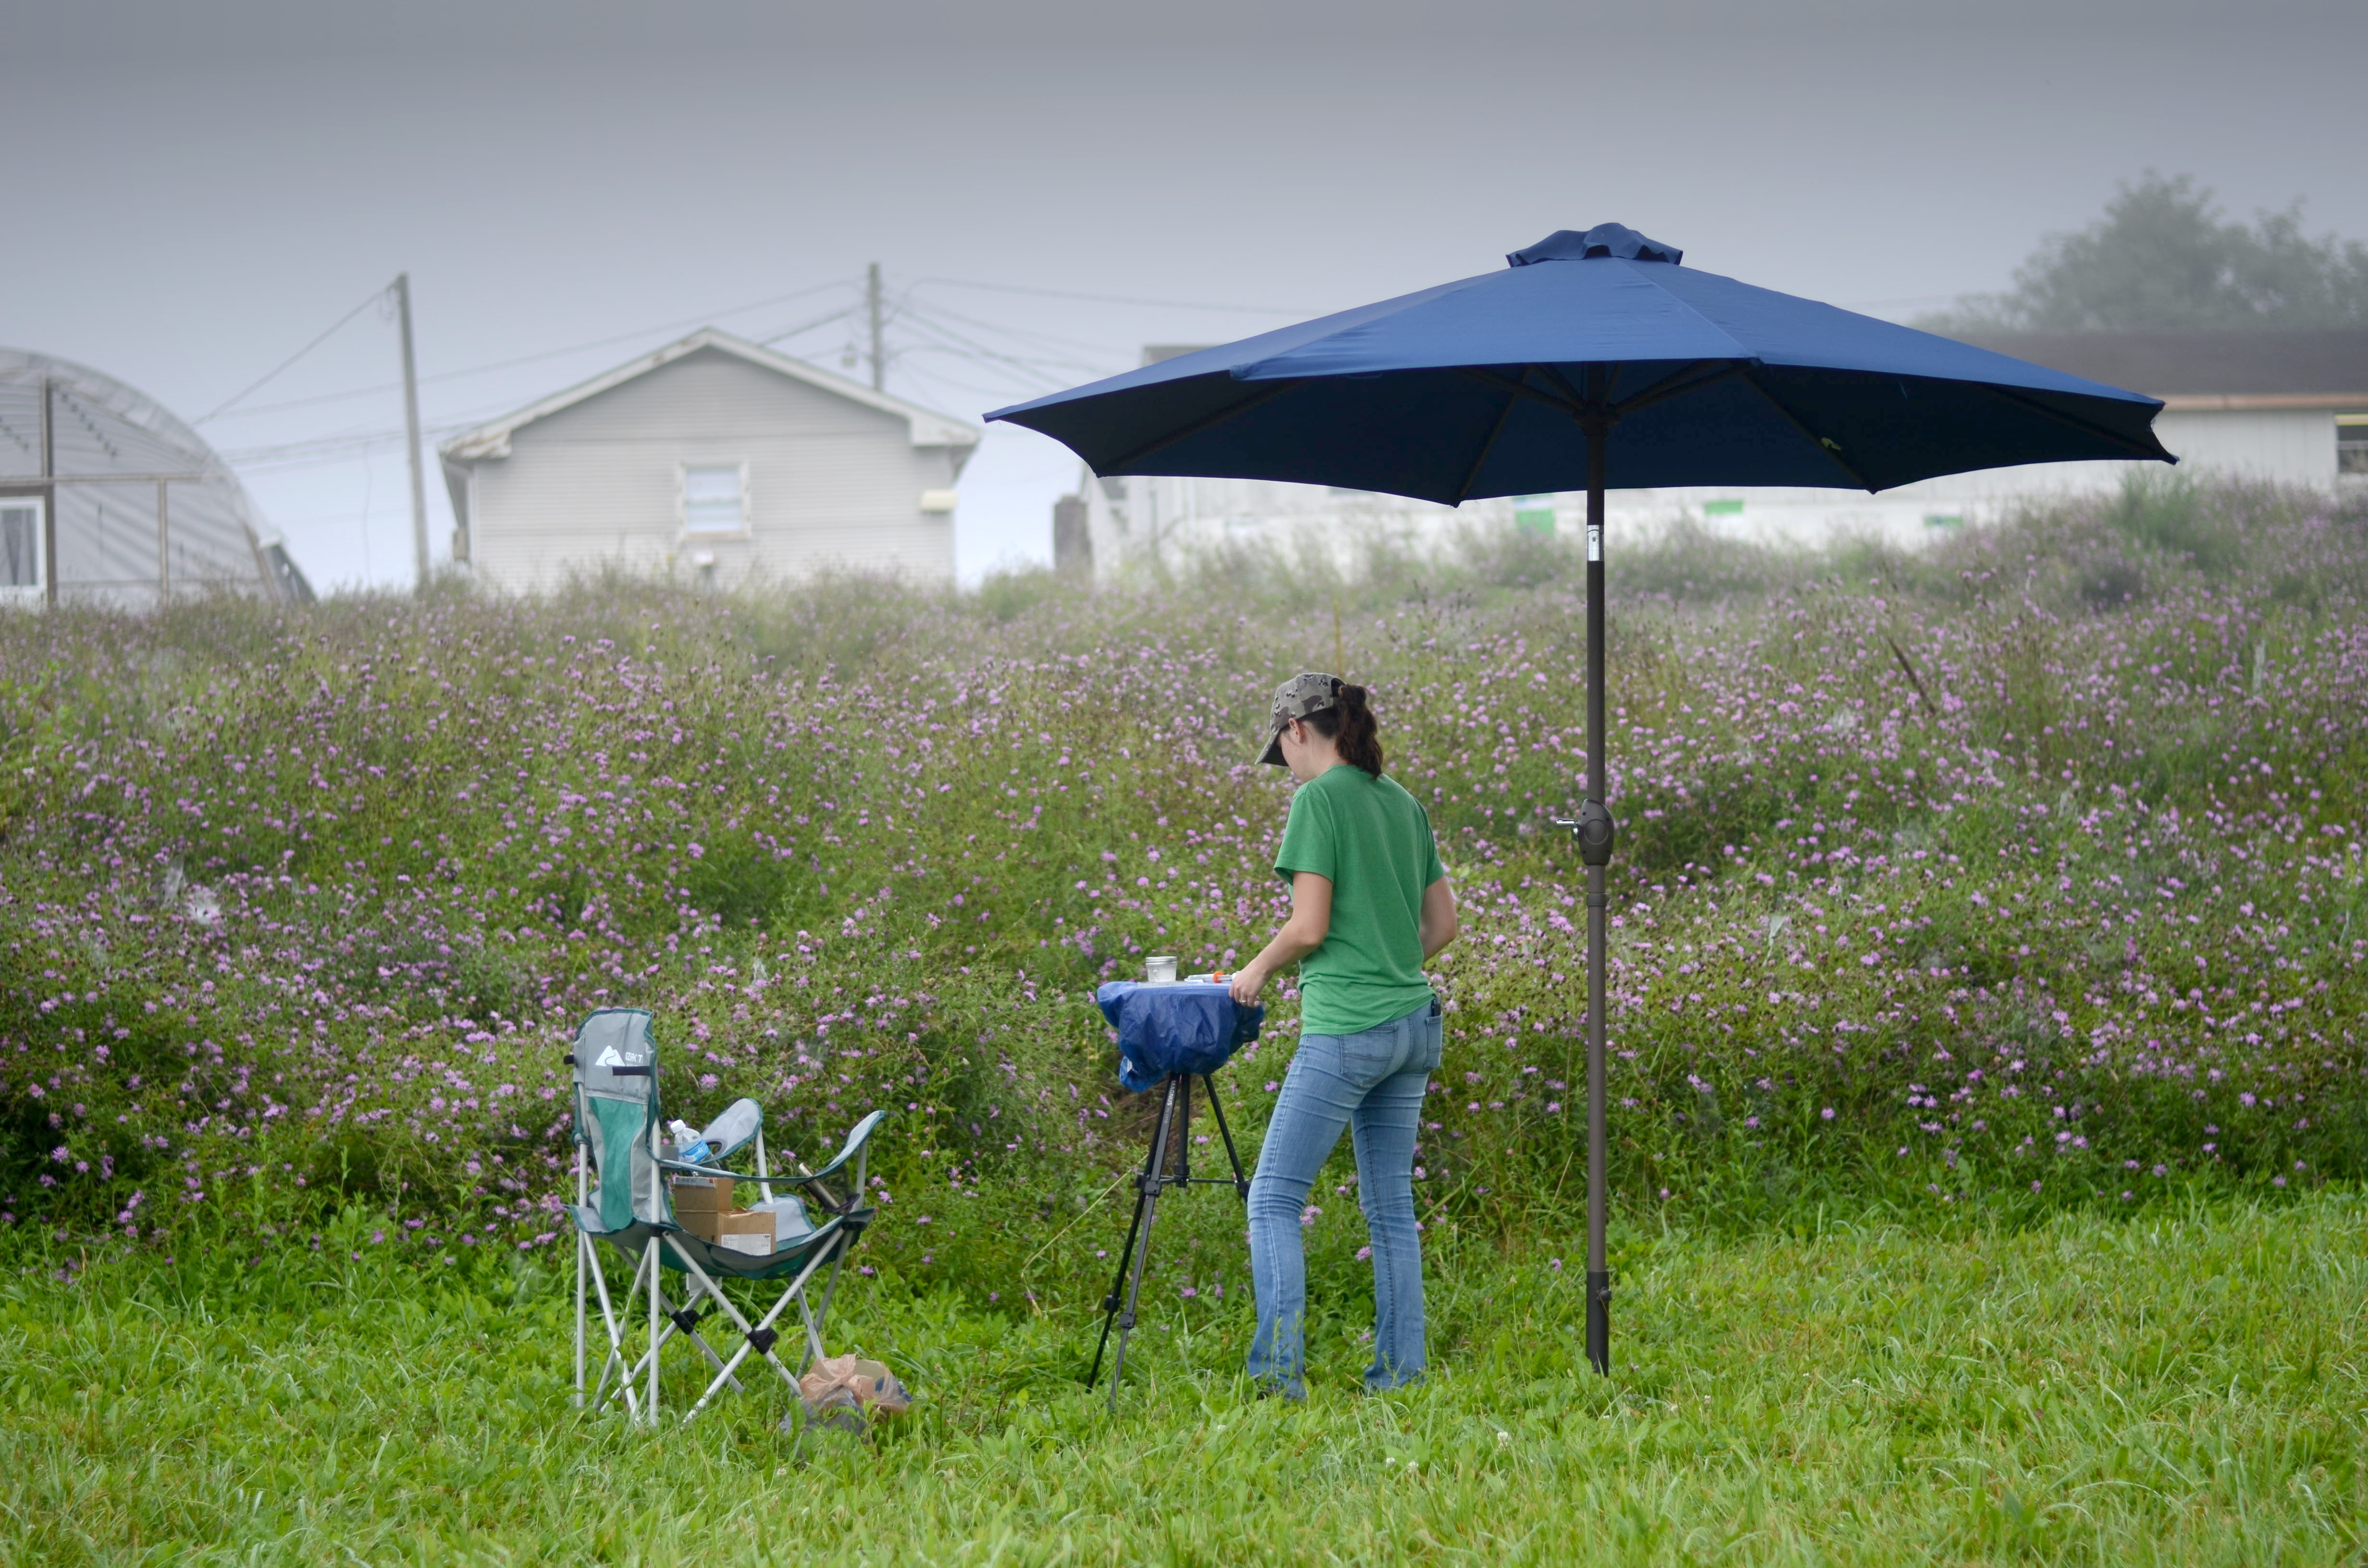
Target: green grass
2184 1385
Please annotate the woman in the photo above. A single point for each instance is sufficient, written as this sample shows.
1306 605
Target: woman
1369 904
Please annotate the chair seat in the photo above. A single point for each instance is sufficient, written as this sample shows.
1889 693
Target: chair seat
791 1247
790 1222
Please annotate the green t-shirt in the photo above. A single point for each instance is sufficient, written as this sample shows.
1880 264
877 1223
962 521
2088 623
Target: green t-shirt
1372 841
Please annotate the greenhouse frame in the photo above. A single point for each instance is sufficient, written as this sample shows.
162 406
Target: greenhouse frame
106 497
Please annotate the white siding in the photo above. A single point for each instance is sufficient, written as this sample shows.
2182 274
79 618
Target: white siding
831 483
2289 446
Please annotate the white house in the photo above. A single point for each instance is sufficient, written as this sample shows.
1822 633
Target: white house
711 459
2286 406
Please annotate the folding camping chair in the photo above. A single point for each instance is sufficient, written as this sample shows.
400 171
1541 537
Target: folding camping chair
618 1121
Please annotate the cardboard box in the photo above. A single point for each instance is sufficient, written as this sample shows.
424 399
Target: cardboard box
700 1202
742 1230
708 1195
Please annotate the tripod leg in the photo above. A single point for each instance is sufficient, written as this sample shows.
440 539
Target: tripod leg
1141 1258
1241 1182
1183 1176
1118 1282
1109 1302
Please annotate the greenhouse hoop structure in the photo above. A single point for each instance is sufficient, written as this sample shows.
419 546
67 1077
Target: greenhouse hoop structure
108 498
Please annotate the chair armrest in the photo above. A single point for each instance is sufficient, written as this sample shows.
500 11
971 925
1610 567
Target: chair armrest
734 1130
855 1138
685 1167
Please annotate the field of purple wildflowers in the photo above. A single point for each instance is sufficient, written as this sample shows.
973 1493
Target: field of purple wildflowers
2022 872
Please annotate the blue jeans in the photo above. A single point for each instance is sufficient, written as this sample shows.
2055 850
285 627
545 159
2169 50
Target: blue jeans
1372 1083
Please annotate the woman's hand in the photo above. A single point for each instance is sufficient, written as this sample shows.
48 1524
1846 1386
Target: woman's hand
1310 919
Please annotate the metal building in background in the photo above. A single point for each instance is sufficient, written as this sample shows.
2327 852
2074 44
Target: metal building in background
107 498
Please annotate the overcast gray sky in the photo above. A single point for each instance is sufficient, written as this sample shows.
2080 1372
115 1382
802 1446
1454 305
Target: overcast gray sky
195 191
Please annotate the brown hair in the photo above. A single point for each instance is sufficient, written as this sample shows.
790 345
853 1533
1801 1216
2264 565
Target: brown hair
1349 725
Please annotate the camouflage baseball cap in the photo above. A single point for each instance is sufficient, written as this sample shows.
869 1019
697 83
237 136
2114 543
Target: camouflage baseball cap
1310 692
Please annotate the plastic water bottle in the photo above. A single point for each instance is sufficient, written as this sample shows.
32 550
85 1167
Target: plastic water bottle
688 1146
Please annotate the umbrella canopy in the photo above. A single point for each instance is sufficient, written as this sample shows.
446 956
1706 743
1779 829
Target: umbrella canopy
1594 360
1484 386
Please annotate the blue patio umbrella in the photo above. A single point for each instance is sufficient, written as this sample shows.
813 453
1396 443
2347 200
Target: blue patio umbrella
1593 361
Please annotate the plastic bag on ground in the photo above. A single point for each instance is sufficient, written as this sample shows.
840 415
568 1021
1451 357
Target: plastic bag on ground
849 1393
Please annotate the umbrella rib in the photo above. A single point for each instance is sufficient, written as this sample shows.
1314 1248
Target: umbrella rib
1579 402
1677 385
1206 421
1472 474
1518 388
1830 449
2083 426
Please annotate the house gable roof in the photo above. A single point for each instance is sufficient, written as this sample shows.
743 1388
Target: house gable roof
929 427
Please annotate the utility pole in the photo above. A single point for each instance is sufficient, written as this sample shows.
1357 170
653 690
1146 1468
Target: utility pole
48 499
878 348
411 433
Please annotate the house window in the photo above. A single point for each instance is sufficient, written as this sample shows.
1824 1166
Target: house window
715 498
2352 444
20 548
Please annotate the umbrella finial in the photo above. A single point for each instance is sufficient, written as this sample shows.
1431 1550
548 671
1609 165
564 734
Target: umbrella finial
1615 240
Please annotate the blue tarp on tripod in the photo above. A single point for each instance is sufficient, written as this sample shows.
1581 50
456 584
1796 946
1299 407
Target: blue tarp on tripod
1190 1026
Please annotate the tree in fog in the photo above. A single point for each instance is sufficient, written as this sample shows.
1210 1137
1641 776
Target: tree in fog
2163 257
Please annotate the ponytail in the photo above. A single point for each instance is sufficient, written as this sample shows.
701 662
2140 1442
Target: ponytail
1349 725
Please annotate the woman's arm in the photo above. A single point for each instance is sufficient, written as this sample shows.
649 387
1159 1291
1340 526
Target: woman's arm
1311 918
1436 923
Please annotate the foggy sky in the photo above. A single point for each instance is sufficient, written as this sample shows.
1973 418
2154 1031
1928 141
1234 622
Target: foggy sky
194 191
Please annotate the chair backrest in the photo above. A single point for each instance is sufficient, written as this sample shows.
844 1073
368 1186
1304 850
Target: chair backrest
615 1063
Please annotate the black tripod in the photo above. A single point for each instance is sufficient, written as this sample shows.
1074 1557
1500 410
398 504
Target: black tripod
1175 1116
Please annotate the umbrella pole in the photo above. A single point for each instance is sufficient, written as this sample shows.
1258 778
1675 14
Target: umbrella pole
1595 846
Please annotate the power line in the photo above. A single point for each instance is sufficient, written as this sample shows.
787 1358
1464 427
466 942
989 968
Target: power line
347 440
931 325
941 379
967 343
316 343
1026 334
1117 299
804 327
533 359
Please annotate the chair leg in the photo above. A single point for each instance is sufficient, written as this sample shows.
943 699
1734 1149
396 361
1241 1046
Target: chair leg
654 1331
581 1243
580 1286
674 1325
616 1358
816 1354
751 1333
632 1374
829 1286
675 1320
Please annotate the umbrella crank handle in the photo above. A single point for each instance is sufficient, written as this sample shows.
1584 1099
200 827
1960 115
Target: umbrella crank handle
1592 828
